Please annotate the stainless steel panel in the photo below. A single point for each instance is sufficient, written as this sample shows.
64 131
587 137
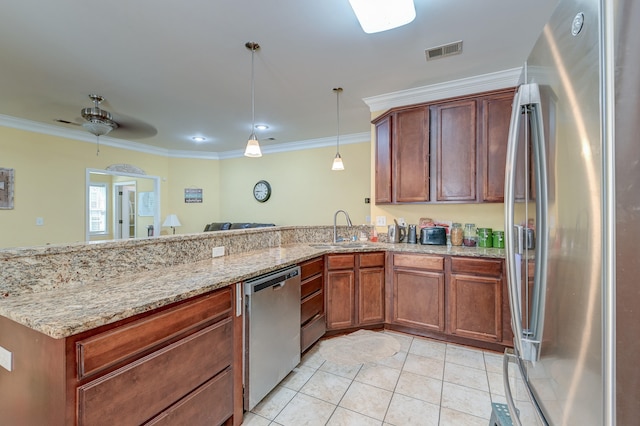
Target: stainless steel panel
273 341
567 380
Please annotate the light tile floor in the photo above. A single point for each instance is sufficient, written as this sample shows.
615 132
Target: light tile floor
426 383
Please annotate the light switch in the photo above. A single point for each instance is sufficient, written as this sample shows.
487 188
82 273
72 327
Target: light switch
39 221
6 359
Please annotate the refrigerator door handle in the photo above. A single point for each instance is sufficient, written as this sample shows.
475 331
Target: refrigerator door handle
512 234
527 343
508 356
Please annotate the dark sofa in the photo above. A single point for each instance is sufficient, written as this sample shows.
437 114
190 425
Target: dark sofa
224 226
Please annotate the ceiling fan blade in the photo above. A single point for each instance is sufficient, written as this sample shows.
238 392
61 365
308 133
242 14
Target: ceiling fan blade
132 128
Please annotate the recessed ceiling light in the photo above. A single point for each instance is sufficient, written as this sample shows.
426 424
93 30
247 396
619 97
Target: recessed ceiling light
382 15
261 127
199 138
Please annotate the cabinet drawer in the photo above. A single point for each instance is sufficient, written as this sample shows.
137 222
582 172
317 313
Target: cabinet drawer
311 306
138 391
103 350
418 261
312 331
311 286
368 260
341 261
492 267
210 404
311 267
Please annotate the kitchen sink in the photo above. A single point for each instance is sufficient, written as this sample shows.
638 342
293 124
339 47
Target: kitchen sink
338 245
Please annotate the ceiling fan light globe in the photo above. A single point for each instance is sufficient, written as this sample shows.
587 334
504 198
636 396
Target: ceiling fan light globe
98 128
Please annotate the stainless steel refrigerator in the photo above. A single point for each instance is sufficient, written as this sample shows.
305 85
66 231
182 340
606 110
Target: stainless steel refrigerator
572 221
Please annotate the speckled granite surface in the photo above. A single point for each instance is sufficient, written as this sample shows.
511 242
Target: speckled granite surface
64 290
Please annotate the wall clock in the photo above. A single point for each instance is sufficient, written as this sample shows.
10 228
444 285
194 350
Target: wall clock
262 191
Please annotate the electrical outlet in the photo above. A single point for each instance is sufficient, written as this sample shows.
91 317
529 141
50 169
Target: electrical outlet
217 251
381 221
6 359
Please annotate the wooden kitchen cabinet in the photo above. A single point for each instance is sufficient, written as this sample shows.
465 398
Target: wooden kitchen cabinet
402 156
449 151
475 299
180 364
354 290
416 296
453 131
312 312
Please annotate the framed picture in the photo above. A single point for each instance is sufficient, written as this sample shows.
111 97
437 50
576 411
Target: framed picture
6 189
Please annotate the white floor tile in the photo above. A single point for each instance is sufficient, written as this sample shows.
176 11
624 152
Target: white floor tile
274 402
344 417
304 410
430 367
379 376
428 348
298 377
404 410
465 356
466 376
346 371
466 400
366 399
449 417
326 386
420 387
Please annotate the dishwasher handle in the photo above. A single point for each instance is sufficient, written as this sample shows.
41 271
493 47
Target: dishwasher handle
273 280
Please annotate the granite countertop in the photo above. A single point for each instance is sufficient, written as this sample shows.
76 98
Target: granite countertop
73 309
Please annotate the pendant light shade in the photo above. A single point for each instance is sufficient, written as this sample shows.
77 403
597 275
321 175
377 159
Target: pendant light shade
253 147
337 161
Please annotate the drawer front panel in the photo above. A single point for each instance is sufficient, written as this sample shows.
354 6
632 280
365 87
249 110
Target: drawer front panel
312 332
311 267
368 260
311 286
140 390
106 349
311 307
492 267
210 404
417 261
341 261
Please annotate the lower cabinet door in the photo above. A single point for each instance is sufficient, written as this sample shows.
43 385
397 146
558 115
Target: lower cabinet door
210 404
418 299
475 307
371 296
137 392
340 299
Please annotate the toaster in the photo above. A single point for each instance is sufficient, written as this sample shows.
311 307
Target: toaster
435 235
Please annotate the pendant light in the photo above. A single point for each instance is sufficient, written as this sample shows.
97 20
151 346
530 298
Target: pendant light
337 161
253 147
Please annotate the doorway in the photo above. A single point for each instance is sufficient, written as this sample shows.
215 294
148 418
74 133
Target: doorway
124 205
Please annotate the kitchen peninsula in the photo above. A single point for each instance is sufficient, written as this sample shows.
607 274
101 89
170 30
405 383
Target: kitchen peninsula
80 321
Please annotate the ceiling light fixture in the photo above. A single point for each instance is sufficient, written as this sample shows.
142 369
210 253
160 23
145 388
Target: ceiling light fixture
253 147
99 122
199 138
382 15
337 161
261 126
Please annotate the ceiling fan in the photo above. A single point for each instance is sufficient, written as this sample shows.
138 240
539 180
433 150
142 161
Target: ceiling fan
100 122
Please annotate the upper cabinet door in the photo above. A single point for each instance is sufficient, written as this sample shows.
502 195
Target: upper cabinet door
410 146
454 131
496 112
383 161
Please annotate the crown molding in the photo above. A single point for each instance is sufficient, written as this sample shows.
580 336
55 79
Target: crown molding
80 135
449 89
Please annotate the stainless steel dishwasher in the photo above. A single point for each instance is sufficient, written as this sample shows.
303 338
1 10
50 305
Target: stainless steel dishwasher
272 331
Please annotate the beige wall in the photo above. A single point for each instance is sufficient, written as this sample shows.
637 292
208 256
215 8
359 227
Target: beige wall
50 183
305 191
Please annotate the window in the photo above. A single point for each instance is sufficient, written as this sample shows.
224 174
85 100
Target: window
97 208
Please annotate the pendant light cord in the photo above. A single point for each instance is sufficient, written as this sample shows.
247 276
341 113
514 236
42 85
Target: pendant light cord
338 90
253 102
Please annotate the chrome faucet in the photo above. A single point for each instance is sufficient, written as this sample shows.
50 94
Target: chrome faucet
335 228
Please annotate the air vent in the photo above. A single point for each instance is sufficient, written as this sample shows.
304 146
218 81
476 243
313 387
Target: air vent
444 50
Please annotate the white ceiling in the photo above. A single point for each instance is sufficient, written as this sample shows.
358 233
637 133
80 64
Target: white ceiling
176 69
